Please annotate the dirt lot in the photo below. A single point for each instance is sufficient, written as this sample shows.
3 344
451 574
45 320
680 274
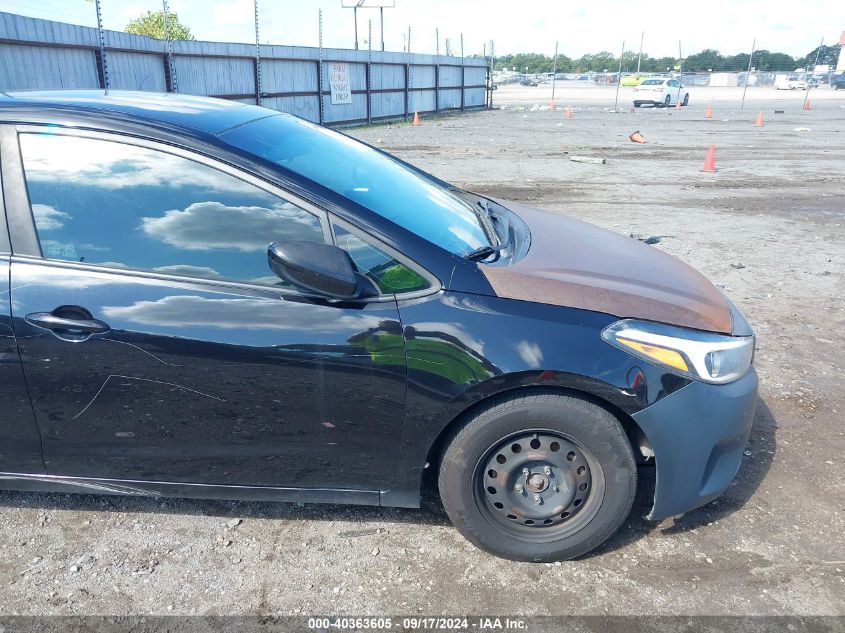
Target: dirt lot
768 227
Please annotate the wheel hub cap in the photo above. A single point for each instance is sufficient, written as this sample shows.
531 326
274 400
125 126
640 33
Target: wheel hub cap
535 480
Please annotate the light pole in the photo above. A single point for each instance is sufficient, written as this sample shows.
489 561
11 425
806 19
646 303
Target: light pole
381 5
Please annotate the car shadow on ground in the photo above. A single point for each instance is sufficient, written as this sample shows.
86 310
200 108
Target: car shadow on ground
762 447
225 509
754 469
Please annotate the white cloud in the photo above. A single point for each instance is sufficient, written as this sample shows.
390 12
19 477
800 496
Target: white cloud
211 225
189 270
530 353
48 218
582 26
242 314
118 166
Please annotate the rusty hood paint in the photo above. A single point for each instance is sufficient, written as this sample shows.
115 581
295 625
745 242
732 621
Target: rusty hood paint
575 264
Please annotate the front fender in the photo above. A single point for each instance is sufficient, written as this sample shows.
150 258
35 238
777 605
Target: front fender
462 349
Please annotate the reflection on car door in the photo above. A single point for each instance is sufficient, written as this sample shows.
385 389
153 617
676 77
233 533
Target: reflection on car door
158 346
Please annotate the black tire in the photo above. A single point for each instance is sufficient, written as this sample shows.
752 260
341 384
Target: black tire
584 496
667 101
686 99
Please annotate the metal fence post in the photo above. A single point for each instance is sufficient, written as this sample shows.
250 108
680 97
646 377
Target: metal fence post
463 75
320 69
408 78
490 75
170 77
748 73
618 78
369 73
102 62
257 61
437 73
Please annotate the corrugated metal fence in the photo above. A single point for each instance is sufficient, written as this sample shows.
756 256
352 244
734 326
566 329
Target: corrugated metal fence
40 54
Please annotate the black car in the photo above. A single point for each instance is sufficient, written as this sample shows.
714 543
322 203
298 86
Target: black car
838 82
210 299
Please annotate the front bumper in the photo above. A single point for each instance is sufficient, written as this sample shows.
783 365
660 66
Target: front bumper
698 435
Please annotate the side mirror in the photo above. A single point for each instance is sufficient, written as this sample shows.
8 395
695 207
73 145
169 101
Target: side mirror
322 269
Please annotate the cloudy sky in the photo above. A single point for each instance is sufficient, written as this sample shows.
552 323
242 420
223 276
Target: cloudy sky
526 26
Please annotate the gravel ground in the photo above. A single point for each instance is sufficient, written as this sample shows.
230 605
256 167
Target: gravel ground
767 227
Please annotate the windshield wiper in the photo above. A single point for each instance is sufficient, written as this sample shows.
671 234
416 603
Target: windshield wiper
483 252
486 219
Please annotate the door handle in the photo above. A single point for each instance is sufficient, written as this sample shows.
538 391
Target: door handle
50 321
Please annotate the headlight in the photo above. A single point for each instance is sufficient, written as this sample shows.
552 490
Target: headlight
714 358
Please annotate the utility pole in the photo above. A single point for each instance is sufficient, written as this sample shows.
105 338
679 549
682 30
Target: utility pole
554 74
355 17
640 56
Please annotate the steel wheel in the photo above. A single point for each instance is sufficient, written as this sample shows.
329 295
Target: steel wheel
538 476
539 485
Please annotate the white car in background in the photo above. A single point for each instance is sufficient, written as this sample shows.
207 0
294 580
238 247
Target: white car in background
660 91
790 82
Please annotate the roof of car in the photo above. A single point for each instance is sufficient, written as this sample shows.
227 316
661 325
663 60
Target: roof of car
197 113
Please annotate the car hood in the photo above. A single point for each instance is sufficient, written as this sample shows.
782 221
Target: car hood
575 264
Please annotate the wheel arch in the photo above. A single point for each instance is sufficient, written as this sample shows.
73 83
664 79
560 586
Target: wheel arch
636 436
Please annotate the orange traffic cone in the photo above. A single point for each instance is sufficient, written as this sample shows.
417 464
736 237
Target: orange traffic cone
416 119
759 122
636 137
551 105
708 113
710 161
567 112
677 105
807 104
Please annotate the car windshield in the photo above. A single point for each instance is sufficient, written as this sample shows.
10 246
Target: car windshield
652 82
366 176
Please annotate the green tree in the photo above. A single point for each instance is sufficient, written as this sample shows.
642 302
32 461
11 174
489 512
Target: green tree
152 25
827 55
767 61
708 59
